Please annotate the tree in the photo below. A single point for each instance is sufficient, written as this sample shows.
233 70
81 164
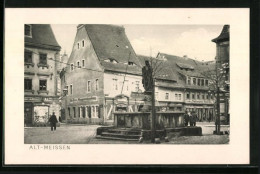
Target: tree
218 77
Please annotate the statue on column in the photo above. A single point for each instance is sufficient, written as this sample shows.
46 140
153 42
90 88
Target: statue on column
147 77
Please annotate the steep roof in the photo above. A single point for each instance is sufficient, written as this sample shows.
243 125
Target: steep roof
224 35
42 36
111 43
164 71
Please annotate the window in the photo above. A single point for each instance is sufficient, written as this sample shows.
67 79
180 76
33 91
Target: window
188 96
74 112
79 112
194 81
43 85
126 84
67 87
202 96
28 84
166 96
193 96
179 96
206 82
202 82
78 64
71 89
28 30
97 85
69 111
176 96
207 96
189 80
83 43
71 67
131 63
199 82
43 59
198 96
89 86
78 45
137 85
83 63
115 84
28 57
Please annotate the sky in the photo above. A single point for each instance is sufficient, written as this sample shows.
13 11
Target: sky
179 40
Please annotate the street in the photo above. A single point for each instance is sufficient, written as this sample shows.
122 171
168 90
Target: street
85 134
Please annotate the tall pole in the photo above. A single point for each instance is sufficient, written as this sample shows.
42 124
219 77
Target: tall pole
218 112
153 129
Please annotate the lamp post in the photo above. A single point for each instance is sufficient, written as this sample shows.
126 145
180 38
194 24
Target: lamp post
65 92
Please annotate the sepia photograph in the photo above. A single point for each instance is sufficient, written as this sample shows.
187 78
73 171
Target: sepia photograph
126 86
134 84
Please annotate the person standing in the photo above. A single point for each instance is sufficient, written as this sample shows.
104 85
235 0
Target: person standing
186 119
190 119
194 118
53 120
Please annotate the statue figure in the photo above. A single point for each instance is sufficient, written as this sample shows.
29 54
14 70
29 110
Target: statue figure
147 77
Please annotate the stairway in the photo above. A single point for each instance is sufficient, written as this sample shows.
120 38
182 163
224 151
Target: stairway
125 134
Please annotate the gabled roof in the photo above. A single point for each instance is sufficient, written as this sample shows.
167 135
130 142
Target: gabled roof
164 71
43 37
224 35
111 43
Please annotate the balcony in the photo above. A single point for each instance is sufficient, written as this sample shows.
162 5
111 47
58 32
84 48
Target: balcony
43 91
29 91
28 64
43 65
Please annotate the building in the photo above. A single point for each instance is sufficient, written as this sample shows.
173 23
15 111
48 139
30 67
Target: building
102 73
41 51
222 63
181 86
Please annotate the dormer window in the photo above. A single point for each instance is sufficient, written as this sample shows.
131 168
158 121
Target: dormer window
28 30
131 63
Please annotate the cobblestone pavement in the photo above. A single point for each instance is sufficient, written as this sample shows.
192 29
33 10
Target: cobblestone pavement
85 134
65 134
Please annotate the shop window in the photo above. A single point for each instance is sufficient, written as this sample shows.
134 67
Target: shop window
28 30
27 84
83 112
43 85
89 86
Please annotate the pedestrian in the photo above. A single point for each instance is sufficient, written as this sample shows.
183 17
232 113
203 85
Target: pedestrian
53 120
186 119
194 118
190 119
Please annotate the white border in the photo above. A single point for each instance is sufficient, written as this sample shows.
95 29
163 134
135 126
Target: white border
237 152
